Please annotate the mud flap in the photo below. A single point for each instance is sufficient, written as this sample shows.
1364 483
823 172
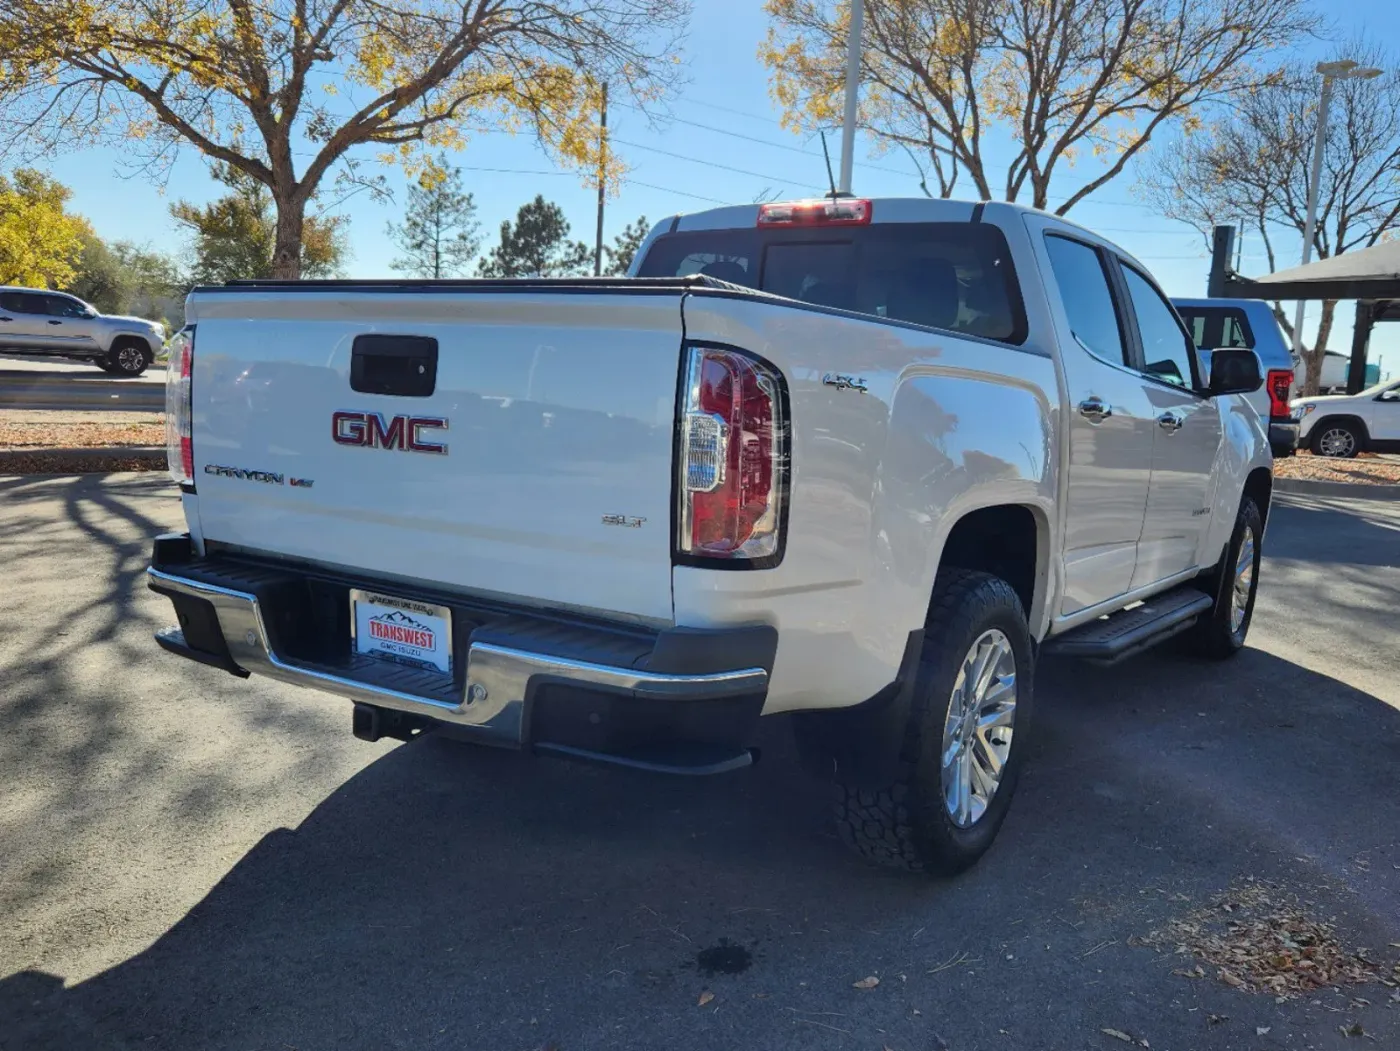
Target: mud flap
861 744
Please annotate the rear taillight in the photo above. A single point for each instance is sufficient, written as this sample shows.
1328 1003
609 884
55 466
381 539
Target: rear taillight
838 211
179 451
1279 384
732 458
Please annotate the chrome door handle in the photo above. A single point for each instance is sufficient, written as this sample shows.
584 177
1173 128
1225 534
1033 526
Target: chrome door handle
1170 422
1095 409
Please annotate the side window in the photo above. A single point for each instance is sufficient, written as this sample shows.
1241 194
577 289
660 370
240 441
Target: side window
33 303
12 302
1084 290
62 306
1166 350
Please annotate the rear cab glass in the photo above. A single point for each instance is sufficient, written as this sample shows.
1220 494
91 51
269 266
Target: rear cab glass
1213 328
954 276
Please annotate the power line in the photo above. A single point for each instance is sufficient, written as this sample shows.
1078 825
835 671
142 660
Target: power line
683 193
1142 230
510 171
730 109
754 139
859 164
713 164
775 145
757 175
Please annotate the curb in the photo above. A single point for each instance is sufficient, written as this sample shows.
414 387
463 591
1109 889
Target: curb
1350 490
59 458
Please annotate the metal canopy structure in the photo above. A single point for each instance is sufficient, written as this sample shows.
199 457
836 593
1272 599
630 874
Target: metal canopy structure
1371 276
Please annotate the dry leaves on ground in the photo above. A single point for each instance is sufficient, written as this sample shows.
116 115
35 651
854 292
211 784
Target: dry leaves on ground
37 429
44 462
1366 469
867 983
705 998
1260 938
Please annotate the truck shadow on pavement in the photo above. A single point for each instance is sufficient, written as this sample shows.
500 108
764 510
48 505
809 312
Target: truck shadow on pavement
450 897
1324 530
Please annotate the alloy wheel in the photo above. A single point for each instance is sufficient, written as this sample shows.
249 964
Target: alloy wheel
130 359
977 733
1244 581
1337 441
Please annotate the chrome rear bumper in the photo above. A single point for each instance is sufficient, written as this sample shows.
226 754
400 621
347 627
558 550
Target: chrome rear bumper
491 704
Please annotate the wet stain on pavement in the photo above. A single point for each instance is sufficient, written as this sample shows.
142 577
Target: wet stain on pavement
724 958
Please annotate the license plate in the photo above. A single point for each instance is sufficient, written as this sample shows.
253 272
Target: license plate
402 630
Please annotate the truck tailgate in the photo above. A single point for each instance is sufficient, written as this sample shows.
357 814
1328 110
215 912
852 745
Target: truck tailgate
556 407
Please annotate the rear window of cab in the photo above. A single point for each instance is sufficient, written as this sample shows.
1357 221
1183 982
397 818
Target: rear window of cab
1215 327
953 276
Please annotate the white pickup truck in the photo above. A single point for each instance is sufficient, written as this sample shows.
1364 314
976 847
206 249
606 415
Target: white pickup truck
853 461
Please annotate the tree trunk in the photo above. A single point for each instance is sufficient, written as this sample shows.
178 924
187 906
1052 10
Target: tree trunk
286 252
1040 192
1313 359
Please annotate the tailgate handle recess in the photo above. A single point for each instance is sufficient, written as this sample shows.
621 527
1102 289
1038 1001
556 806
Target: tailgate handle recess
402 365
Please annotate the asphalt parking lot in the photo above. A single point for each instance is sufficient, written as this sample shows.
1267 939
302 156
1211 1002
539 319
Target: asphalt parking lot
190 861
25 363
48 383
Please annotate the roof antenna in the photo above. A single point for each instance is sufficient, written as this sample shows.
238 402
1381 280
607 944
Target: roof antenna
830 179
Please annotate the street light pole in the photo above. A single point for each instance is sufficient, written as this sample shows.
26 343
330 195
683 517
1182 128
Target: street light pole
848 127
602 181
1344 69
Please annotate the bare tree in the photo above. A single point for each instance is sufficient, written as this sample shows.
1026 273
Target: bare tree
1253 169
250 84
1060 76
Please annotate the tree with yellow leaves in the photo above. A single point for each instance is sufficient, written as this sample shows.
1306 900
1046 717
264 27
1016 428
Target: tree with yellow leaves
39 241
284 91
1045 80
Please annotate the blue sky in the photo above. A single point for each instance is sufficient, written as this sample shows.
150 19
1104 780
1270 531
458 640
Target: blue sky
687 164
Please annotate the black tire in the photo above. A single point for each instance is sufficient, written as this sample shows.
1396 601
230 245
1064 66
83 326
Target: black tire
127 358
908 824
1338 439
1215 635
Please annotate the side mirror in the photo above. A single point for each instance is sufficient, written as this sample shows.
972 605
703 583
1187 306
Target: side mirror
1390 395
1234 371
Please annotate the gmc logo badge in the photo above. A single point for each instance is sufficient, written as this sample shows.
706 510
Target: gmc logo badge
372 430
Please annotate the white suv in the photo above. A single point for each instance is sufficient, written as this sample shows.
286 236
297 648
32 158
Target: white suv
1347 424
53 324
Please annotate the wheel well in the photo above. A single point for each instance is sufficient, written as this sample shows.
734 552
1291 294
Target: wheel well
134 341
1354 421
1003 541
1260 487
